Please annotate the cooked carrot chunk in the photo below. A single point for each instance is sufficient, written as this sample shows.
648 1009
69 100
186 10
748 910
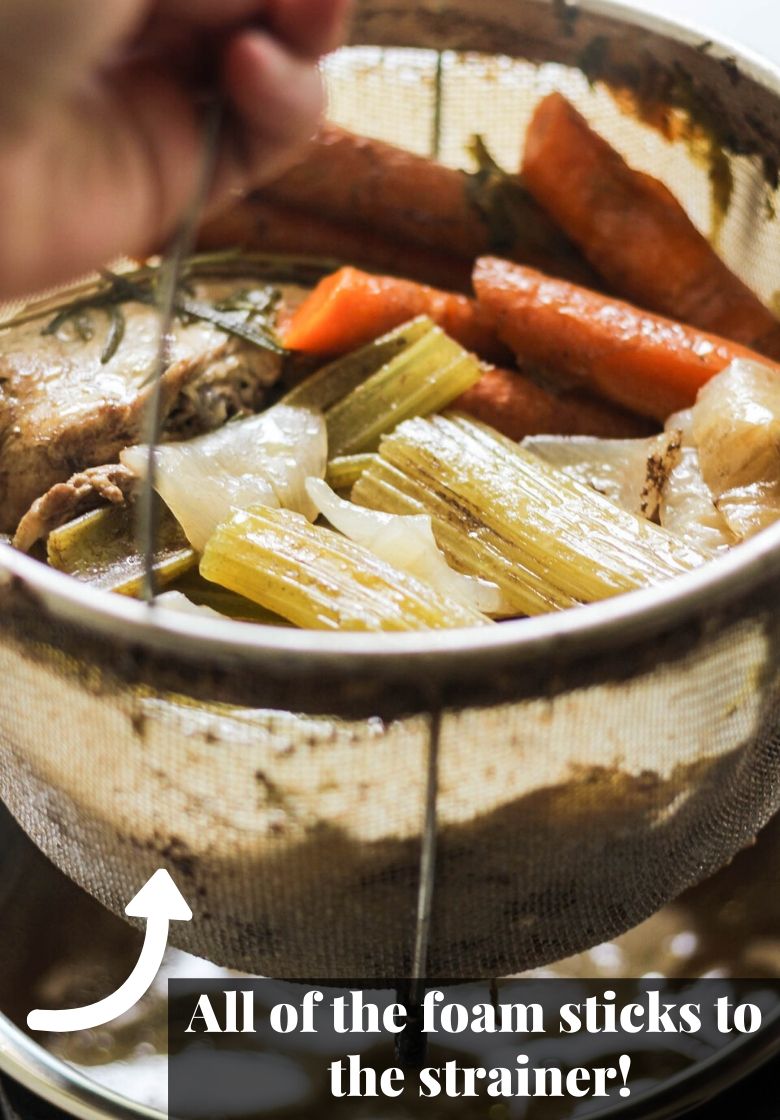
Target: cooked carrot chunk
351 308
634 231
418 202
263 225
517 407
643 362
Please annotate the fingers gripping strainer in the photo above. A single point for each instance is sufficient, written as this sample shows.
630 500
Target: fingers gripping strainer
338 805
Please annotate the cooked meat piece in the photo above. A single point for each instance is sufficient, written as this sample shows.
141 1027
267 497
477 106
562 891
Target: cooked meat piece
66 500
62 410
234 384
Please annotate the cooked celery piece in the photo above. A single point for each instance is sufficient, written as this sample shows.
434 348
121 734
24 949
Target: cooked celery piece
344 471
425 375
428 376
204 594
100 548
333 382
468 544
501 513
408 543
320 580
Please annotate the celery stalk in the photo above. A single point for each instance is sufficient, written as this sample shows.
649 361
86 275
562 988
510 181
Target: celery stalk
368 393
344 471
334 381
317 579
425 378
100 548
500 512
468 545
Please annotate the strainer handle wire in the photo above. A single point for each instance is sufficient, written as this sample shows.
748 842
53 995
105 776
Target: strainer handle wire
422 934
170 275
411 1043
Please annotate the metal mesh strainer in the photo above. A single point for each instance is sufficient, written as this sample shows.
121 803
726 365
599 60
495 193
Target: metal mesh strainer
590 765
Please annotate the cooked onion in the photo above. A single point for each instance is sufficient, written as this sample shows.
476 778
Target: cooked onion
407 542
736 428
263 460
687 508
632 473
176 601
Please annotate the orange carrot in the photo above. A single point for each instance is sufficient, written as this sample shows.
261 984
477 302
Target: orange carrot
643 362
418 202
517 407
350 308
262 225
634 231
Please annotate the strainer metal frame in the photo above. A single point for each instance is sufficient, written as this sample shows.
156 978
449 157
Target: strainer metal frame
464 667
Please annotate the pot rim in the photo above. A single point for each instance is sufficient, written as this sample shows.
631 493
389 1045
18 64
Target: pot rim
35 1069
59 1084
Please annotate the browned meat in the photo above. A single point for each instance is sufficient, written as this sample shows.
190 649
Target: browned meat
62 410
66 500
234 384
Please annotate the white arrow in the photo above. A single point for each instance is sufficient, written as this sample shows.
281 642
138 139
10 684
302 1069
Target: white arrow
160 902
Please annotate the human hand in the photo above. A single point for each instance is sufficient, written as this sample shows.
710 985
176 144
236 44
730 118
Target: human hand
101 127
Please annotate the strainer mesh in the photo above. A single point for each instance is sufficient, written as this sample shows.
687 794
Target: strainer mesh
565 814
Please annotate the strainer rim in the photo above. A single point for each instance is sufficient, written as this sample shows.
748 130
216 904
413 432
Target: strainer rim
596 625
689 32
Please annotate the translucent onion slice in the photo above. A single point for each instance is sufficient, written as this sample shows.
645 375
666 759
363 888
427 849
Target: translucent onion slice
176 601
681 422
736 428
407 542
687 508
263 460
632 473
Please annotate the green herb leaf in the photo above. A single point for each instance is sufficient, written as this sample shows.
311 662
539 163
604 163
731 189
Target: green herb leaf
116 332
510 213
247 314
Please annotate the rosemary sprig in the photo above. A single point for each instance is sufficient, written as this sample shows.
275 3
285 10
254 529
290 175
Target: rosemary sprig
221 264
247 314
116 332
243 316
